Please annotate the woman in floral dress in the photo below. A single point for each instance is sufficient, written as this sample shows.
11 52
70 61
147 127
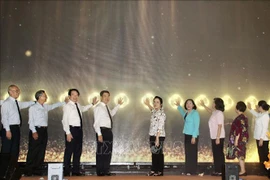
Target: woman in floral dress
239 136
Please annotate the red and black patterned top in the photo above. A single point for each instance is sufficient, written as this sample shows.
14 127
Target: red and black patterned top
239 126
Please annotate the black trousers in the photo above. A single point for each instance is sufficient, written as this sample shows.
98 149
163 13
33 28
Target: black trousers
157 156
73 148
191 155
263 153
36 149
11 146
104 151
218 154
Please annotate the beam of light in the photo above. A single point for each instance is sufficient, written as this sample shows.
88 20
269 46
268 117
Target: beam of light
228 102
7 95
150 96
63 96
172 100
124 97
91 97
253 101
205 100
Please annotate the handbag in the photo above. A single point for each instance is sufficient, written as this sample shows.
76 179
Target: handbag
230 152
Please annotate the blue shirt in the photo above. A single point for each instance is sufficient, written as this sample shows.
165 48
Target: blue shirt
191 123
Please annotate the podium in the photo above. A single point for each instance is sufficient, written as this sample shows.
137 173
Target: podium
55 171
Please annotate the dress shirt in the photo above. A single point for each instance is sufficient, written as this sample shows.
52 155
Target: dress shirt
217 118
102 118
38 115
192 122
157 123
10 114
1 102
71 116
261 125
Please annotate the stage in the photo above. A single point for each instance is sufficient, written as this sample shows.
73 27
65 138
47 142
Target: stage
127 177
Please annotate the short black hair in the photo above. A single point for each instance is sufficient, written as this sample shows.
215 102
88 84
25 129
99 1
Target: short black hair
38 94
73 89
160 100
264 105
241 106
219 104
104 91
194 107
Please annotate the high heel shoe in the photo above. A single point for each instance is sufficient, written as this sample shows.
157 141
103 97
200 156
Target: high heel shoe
151 173
243 174
158 174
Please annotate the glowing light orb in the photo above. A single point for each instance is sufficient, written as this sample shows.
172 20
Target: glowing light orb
173 98
124 97
253 101
28 53
63 96
198 101
150 97
91 97
228 102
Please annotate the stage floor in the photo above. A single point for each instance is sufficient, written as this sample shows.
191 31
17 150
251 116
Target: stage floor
127 177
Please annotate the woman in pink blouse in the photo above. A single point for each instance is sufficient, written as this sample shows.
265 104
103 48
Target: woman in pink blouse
157 136
217 133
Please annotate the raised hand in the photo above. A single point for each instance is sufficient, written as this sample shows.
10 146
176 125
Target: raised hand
95 100
147 102
120 101
202 103
249 105
177 102
66 99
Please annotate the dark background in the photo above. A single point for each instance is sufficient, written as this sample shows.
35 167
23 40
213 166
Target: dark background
190 48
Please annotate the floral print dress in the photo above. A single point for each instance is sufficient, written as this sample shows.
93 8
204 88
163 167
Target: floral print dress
239 126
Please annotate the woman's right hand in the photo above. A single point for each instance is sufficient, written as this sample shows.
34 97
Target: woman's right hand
147 102
249 105
177 102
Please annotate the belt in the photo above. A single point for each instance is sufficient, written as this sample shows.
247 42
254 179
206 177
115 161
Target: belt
14 125
75 127
104 128
41 126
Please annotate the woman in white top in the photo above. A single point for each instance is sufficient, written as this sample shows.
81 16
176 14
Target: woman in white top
217 133
157 136
260 130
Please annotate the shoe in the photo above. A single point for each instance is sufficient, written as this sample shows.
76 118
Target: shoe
110 174
77 174
66 173
243 174
151 173
100 174
186 174
216 174
158 174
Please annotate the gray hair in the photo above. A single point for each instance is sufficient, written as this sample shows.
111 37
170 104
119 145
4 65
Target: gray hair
38 94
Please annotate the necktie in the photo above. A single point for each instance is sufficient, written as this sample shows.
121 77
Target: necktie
19 112
110 116
79 112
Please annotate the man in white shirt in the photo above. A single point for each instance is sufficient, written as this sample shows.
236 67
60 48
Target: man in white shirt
103 127
72 124
12 121
38 136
